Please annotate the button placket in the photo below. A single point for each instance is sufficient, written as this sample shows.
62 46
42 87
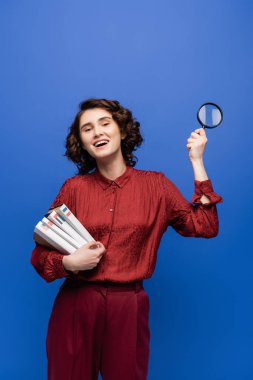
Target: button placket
113 191
112 205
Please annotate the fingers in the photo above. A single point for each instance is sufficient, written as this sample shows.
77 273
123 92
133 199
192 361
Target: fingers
197 134
94 244
200 131
100 254
99 247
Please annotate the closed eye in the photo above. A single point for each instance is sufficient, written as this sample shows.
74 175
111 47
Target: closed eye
88 129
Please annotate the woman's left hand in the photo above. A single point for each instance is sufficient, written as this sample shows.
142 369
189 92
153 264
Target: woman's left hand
196 144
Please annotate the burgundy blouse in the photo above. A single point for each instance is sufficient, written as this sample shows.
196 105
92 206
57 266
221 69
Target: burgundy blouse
129 216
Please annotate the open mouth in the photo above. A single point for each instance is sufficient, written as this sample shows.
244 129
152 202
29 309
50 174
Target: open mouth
101 144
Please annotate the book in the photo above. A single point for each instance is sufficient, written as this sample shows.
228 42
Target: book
46 236
60 229
67 215
63 224
62 233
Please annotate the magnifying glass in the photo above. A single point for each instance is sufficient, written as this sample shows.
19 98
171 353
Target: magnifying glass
209 115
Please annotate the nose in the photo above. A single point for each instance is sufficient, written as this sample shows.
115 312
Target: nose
97 131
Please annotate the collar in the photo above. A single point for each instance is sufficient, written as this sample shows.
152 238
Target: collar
119 181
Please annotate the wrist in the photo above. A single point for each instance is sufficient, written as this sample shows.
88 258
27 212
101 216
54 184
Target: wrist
200 173
197 161
67 263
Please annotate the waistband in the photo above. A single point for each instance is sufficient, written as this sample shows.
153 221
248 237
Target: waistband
109 285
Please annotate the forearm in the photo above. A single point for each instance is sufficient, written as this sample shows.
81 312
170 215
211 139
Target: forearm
200 174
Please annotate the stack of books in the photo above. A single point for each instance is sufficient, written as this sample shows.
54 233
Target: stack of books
61 230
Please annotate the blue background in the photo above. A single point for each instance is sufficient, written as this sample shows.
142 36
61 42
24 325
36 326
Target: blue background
161 59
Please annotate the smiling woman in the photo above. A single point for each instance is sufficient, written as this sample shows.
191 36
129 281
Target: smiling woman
102 119
100 318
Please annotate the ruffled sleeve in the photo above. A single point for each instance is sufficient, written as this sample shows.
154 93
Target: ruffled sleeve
48 263
206 188
190 219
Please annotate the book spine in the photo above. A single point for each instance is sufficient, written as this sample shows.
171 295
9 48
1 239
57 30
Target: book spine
61 233
65 226
74 222
53 238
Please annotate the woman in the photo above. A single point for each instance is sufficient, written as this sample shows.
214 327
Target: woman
100 317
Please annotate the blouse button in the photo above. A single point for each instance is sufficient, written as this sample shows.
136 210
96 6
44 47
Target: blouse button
111 209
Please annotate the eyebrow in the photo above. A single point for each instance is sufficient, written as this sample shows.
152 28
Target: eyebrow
100 119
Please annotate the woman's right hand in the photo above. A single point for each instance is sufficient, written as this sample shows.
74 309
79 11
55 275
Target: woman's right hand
85 257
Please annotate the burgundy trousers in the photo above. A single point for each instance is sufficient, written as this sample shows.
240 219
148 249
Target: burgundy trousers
99 327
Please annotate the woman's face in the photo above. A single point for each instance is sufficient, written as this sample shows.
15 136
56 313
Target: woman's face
100 134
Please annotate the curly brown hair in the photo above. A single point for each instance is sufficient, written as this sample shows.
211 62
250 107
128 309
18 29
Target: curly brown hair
126 122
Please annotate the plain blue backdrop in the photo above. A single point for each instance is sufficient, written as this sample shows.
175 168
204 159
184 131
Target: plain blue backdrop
161 59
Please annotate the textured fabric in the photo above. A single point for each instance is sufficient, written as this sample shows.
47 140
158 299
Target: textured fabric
129 216
96 328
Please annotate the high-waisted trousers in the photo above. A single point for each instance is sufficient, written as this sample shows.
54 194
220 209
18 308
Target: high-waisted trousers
99 327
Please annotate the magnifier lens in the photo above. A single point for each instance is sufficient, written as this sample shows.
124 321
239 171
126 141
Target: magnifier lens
210 115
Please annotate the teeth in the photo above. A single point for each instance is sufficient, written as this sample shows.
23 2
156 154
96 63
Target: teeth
101 142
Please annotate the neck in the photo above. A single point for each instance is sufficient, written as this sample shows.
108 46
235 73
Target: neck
112 170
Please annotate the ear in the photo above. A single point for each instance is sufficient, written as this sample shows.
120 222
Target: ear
123 135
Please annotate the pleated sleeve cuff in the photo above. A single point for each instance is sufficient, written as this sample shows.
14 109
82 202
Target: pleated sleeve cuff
206 188
54 266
